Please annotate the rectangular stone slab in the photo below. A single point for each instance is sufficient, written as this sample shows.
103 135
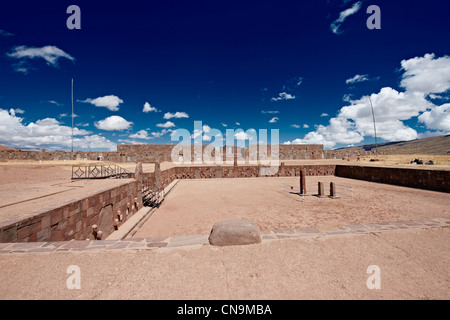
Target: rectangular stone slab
234 232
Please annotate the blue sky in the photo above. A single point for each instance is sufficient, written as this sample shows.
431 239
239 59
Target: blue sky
142 69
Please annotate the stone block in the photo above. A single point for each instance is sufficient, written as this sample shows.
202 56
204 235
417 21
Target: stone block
45 221
234 232
8 235
55 216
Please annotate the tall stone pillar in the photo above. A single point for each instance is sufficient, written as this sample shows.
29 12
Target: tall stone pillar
235 166
139 177
282 172
332 190
302 181
158 184
320 191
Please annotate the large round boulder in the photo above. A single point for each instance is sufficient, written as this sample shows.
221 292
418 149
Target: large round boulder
234 232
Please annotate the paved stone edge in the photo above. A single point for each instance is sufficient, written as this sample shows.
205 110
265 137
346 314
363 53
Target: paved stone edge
189 240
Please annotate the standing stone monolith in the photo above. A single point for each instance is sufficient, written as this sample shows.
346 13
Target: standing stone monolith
332 190
139 177
281 171
235 166
302 181
158 184
320 192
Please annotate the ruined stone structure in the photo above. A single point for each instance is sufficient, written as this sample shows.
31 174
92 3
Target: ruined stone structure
148 153
429 179
74 220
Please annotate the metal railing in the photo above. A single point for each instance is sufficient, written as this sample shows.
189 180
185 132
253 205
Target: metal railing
152 198
100 172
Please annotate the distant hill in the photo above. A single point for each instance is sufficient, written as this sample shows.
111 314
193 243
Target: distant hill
439 145
3 148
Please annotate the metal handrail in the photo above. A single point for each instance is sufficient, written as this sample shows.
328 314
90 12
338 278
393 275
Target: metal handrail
99 172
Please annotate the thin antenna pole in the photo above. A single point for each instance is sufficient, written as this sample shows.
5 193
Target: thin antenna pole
71 154
374 127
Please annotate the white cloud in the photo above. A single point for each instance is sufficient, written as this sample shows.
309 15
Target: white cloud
313 138
238 124
305 126
274 120
50 54
13 112
423 77
47 122
338 131
148 108
335 25
176 115
47 133
347 97
113 123
55 103
224 125
438 118
437 96
426 74
142 134
168 124
283 96
203 132
94 142
355 121
270 111
241 135
5 33
110 102
357 78
428 134
63 115
296 126
161 133
129 141
206 128
324 114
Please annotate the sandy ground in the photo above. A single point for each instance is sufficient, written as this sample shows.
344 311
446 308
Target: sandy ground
413 264
193 206
25 188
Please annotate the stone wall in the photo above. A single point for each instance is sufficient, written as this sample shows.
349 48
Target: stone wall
74 220
429 179
208 172
147 153
63 155
155 152
341 154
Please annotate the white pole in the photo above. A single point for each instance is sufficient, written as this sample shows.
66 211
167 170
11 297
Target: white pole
374 127
71 154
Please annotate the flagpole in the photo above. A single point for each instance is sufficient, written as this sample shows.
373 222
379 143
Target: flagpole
71 154
374 128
